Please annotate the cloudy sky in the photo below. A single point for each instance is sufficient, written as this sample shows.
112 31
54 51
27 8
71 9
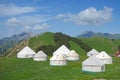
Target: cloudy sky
71 17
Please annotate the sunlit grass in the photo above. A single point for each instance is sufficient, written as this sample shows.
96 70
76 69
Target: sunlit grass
27 69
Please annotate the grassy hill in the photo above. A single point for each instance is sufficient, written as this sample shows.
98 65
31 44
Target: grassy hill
77 48
54 40
102 44
42 40
49 42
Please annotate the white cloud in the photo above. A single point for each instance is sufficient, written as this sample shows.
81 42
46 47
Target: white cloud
33 19
28 23
13 22
90 16
25 20
61 16
41 27
27 28
8 10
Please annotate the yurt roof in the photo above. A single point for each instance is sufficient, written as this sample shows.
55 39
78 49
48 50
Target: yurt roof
57 57
40 54
92 61
26 50
103 55
62 50
72 53
93 51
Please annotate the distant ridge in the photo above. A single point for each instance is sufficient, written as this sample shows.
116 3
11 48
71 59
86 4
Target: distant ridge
9 42
88 34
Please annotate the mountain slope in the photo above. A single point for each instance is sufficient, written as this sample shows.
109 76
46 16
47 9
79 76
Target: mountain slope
9 42
49 42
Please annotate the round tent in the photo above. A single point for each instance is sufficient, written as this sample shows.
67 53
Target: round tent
58 60
92 52
104 57
40 56
72 56
93 64
26 52
62 50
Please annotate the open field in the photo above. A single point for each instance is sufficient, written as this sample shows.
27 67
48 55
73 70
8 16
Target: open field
27 69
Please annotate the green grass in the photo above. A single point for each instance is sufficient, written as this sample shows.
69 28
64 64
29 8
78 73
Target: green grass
27 69
43 40
48 39
77 48
101 44
117 42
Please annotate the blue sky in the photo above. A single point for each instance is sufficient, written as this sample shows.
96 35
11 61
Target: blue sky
71 17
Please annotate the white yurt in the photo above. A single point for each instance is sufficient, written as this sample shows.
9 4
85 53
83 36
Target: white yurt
58 60
104 57
40 56
72 56
93 64
62 50
26 52
92 52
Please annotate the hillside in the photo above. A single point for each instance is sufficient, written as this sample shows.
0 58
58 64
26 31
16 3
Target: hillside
49 42
10 42
101 43
12 51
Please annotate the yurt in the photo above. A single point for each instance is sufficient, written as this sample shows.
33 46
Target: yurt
58 60
104 57
92 52
40 56
72 56
93 64
62 50
26 52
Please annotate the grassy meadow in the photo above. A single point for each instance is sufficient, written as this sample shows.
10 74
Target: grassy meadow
27 69
12 68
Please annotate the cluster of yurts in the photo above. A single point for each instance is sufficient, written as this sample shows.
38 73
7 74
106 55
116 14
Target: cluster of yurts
94 63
